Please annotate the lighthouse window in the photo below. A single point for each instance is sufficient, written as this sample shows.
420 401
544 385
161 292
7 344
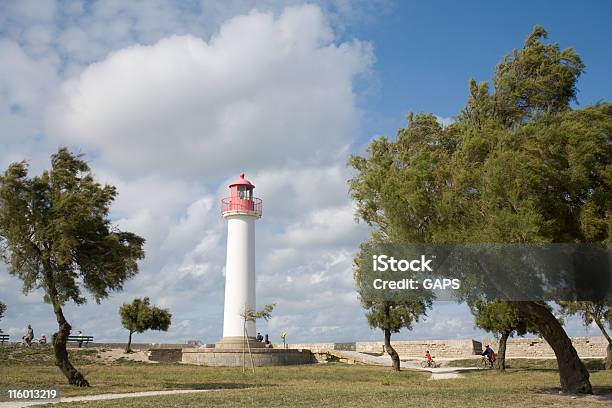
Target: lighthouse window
244 193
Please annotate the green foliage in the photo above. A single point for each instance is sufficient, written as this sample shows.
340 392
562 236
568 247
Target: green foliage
547 181
391 315
538 79
499 317
139 316
55 232
519 166
397 186
394 316
250 315
56 235
599 313
2 309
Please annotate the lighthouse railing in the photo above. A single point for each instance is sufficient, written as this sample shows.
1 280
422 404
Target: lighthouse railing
254 205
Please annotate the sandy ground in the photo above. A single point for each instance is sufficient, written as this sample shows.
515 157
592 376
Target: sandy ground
443 373
112 355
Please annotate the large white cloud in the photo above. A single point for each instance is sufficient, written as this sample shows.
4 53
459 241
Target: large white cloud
171 123
263 92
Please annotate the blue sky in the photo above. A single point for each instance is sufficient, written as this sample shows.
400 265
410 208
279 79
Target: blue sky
172 103
427 51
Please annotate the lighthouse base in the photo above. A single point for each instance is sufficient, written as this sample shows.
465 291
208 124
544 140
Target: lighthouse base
261 357
238 343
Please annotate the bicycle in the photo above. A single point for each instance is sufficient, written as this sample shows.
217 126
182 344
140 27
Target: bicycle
483 362
429 364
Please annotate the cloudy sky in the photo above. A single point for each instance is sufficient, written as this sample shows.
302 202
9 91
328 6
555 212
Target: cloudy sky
172 100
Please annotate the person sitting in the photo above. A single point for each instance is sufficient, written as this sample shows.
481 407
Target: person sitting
490 354
428 358
42 340
80 341
27 339
259 337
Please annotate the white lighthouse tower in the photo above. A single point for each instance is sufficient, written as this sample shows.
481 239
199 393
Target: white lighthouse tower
240 210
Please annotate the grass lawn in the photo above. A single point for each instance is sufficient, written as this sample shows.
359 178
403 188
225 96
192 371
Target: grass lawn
332 384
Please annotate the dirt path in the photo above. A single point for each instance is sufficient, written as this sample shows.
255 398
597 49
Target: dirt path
20 404
445 376
440 373
444 373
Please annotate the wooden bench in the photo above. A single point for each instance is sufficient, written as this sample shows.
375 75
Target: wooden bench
4 338
80 340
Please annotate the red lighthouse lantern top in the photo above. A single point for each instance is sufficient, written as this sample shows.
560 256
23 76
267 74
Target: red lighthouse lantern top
241 200
241 182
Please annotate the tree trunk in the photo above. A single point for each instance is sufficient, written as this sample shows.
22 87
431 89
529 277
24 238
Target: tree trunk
573 375
61 354
608 364
60 338
501 352
128 348
391 351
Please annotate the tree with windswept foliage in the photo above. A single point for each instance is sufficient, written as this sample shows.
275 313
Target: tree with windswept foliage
503 320
599 312
538 79
56 235
518 166
139 316
251 315
390 315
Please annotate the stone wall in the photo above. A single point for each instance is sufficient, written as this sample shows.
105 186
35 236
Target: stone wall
416 348
313 347
587 347
345 346
406 349
234 358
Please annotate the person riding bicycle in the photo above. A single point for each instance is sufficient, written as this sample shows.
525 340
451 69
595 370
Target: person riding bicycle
428 358
489 353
